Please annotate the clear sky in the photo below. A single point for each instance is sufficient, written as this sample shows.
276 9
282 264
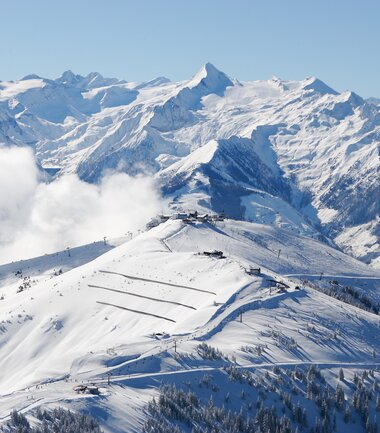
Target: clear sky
335 40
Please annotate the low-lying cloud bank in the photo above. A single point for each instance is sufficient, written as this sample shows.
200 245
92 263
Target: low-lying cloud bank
38 217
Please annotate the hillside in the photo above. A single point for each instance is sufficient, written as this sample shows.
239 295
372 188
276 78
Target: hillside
140 313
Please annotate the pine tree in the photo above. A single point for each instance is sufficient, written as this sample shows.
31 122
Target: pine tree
341 375
339 397
304 417
368 426
318 425
347 414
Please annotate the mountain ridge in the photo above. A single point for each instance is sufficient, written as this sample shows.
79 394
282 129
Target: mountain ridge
309 146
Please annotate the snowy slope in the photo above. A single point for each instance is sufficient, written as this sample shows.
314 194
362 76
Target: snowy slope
49 265
308 151
122 313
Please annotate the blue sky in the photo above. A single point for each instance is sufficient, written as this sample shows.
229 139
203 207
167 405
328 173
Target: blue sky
336 40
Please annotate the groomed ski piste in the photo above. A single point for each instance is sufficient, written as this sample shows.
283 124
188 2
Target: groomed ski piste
133 318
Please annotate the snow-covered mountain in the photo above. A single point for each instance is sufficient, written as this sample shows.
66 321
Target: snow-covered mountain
155 310
375 101
296 154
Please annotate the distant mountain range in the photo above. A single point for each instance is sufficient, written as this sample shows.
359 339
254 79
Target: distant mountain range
294 154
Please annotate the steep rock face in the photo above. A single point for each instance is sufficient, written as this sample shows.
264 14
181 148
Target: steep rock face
293 152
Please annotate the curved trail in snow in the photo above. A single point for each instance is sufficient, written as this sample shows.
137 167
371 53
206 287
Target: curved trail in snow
320 364
130 277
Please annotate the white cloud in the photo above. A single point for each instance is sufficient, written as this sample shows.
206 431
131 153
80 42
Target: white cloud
38 218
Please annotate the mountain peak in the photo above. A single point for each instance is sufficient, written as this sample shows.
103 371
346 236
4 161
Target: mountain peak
95 79
90 81
31 77
68 77
317 85
209 68
212 78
